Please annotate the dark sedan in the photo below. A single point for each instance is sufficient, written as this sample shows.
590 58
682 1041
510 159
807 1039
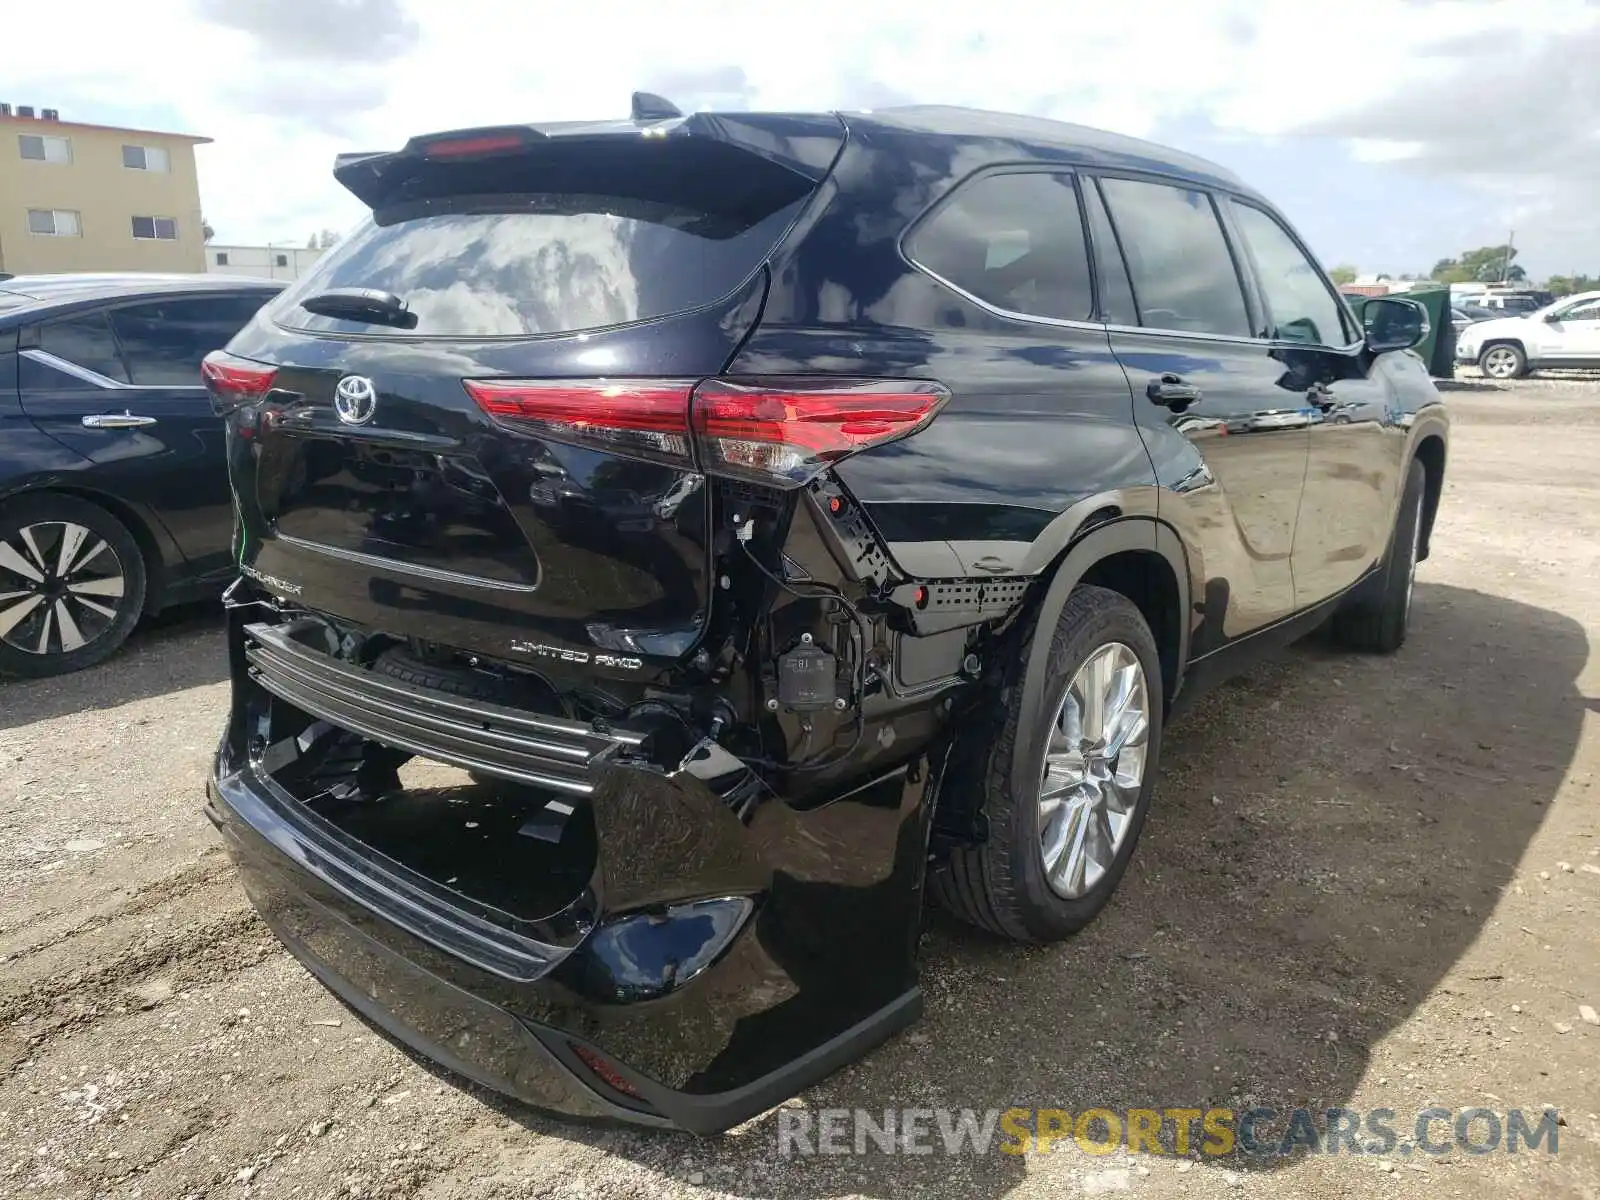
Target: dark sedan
114 497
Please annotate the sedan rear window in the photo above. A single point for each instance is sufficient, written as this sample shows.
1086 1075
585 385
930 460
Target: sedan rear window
518 266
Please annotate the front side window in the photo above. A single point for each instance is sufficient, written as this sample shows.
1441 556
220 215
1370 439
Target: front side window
1300 306
42 148
163 229
1014 241
1587 310
85 341
1183 274
145 158
54 222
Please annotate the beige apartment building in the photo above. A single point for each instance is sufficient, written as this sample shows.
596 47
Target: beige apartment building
77 197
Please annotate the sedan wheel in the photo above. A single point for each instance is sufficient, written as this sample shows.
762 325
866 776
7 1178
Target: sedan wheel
1093 770
71 586
71 583
1501 362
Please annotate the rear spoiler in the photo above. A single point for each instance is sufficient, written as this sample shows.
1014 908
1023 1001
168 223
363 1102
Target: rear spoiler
803 145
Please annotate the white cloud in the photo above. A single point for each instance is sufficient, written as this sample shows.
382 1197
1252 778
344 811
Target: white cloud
283 85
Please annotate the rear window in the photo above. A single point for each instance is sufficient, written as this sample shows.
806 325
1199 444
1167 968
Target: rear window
515 266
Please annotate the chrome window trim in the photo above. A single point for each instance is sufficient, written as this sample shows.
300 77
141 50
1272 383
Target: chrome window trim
45 359
1103 327
1080 173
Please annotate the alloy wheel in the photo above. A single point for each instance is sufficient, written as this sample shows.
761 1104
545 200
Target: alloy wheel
1094 769
61 587
1500 363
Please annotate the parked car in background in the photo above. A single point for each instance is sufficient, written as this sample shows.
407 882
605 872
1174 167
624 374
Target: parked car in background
114 497
818 505
1463 314
1565 334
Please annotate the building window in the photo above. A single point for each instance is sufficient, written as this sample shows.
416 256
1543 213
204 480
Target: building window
161 229
44 149
283 260
145 158
54 222
222 258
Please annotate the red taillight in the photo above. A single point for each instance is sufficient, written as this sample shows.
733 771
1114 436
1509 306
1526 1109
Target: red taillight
787 431
645 415
780 432
484 144
234 381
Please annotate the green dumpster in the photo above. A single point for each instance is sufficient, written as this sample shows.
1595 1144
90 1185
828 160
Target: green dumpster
1438 349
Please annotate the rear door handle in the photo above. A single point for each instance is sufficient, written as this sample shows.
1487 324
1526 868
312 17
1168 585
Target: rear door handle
122 420
1172 391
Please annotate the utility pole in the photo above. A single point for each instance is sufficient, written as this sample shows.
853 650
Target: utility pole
1505 260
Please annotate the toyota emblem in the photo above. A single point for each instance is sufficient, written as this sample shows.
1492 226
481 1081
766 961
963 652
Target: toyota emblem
355 400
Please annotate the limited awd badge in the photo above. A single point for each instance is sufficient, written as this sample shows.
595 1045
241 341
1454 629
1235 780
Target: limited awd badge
355 400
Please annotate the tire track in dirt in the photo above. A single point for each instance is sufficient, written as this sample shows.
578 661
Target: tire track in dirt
211 869
190 932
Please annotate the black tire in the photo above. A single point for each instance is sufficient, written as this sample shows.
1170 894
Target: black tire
101 596
1513 354
1001 885
401 664
1377 619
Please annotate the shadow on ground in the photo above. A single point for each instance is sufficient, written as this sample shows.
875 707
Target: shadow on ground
1330 833
177 649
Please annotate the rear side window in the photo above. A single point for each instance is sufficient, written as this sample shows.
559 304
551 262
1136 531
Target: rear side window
1014 241
1299 304
508 266
165 340
84 341
1178 258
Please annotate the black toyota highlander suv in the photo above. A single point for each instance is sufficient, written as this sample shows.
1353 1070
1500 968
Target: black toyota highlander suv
670 545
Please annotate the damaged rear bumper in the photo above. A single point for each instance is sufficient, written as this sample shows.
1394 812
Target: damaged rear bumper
717 962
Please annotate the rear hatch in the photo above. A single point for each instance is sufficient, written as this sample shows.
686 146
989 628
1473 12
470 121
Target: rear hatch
469 424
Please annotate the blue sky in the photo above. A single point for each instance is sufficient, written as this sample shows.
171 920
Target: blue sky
1392 132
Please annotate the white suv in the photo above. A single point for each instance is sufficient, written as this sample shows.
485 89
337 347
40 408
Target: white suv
1563 334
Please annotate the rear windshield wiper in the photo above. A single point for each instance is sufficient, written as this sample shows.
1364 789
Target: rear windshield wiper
362 304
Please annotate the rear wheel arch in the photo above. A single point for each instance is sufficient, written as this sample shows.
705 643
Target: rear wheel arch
1430 452
1143 560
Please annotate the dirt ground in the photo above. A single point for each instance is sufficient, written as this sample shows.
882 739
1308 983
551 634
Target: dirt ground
1365 882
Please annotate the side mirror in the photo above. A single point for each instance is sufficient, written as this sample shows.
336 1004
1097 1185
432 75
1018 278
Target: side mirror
1393 323
1552 318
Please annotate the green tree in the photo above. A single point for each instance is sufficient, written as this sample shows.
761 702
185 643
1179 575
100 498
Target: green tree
1342 274
1486 264
1567 285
